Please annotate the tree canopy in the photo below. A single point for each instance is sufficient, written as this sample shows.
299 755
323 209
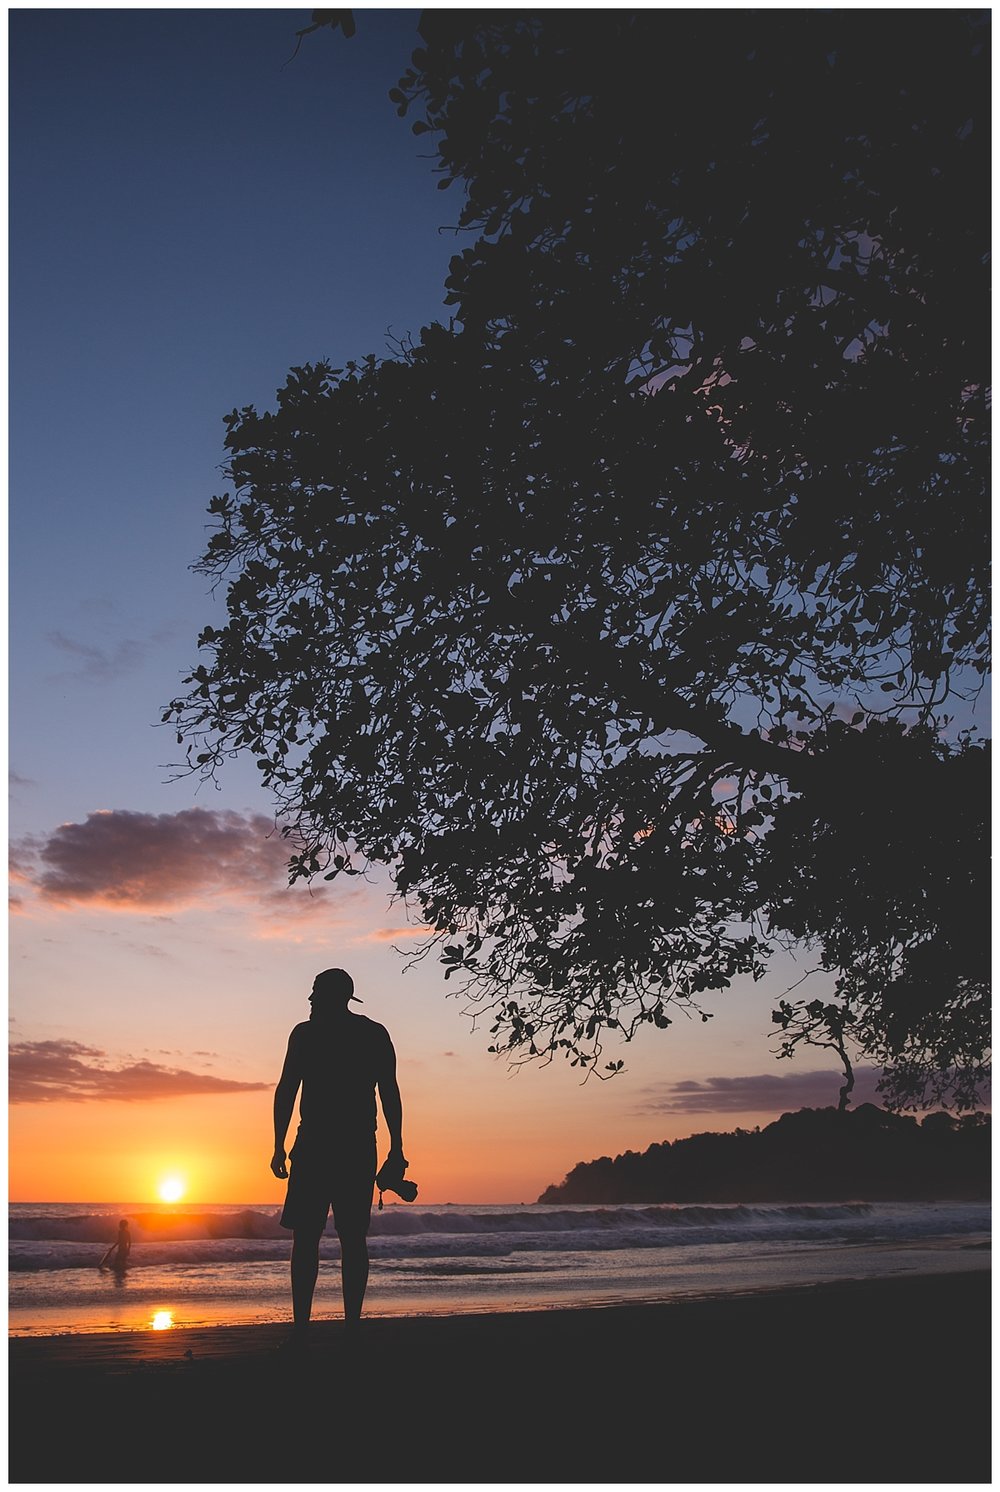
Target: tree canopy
632 619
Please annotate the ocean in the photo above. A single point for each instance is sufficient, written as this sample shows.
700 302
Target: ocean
215 1265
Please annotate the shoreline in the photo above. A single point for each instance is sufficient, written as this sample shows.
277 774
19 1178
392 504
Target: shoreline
953 1254
823 1382
168 1299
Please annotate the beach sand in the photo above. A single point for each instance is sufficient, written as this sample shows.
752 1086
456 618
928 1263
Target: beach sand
859 1381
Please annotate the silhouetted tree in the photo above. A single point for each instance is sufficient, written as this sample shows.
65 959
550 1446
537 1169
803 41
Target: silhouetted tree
621 618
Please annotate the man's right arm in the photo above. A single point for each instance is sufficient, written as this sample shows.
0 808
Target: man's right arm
284 1102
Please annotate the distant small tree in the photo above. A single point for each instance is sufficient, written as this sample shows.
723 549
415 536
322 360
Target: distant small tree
625 618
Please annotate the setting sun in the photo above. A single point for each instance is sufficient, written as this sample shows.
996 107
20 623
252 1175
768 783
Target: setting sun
171 1189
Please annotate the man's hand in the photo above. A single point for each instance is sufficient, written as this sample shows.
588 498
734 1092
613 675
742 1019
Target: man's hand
391 1171
392 1177
278 1166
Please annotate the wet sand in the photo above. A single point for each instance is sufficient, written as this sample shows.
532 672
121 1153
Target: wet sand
861 1381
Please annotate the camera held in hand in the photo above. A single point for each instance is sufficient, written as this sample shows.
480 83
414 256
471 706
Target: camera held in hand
391 1178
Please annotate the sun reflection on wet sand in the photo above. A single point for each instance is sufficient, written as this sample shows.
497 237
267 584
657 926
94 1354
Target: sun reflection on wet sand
162 1320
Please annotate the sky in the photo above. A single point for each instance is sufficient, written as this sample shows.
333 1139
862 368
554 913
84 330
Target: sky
191 214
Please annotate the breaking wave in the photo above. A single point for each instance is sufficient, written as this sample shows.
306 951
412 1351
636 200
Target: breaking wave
66 1238
100 1227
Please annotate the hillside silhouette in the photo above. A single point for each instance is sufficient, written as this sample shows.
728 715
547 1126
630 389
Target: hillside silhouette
864 1154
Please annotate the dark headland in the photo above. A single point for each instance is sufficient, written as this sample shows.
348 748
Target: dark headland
814 1155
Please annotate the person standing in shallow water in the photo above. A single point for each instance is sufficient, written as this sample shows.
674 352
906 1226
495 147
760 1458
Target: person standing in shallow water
338 1059
117 1255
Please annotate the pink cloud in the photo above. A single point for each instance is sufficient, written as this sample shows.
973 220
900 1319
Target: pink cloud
760 1093
396 934
69 1072
129 861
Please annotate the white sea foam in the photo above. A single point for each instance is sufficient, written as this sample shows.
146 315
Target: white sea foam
63 1238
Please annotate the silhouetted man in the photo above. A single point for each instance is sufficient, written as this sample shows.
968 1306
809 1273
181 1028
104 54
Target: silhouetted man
339 1059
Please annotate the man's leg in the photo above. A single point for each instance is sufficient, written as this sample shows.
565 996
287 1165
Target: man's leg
352 1210
353 1270
305 1267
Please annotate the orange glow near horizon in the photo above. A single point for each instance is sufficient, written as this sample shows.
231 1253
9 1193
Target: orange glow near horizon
464 1144
124 1152
220 1150
162 1320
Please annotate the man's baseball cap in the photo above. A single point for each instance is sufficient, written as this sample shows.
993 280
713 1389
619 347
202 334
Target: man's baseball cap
335 982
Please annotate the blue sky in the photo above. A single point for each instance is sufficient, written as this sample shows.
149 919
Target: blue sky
189 218
192 214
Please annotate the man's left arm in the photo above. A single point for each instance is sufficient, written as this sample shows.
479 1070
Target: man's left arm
392 1103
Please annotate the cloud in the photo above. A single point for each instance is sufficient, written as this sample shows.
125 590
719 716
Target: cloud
131 861
396 934
69 1072
763 1093
146 950
99 665
19 860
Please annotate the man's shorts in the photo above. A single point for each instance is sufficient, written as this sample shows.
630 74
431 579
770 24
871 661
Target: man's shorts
332 1174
